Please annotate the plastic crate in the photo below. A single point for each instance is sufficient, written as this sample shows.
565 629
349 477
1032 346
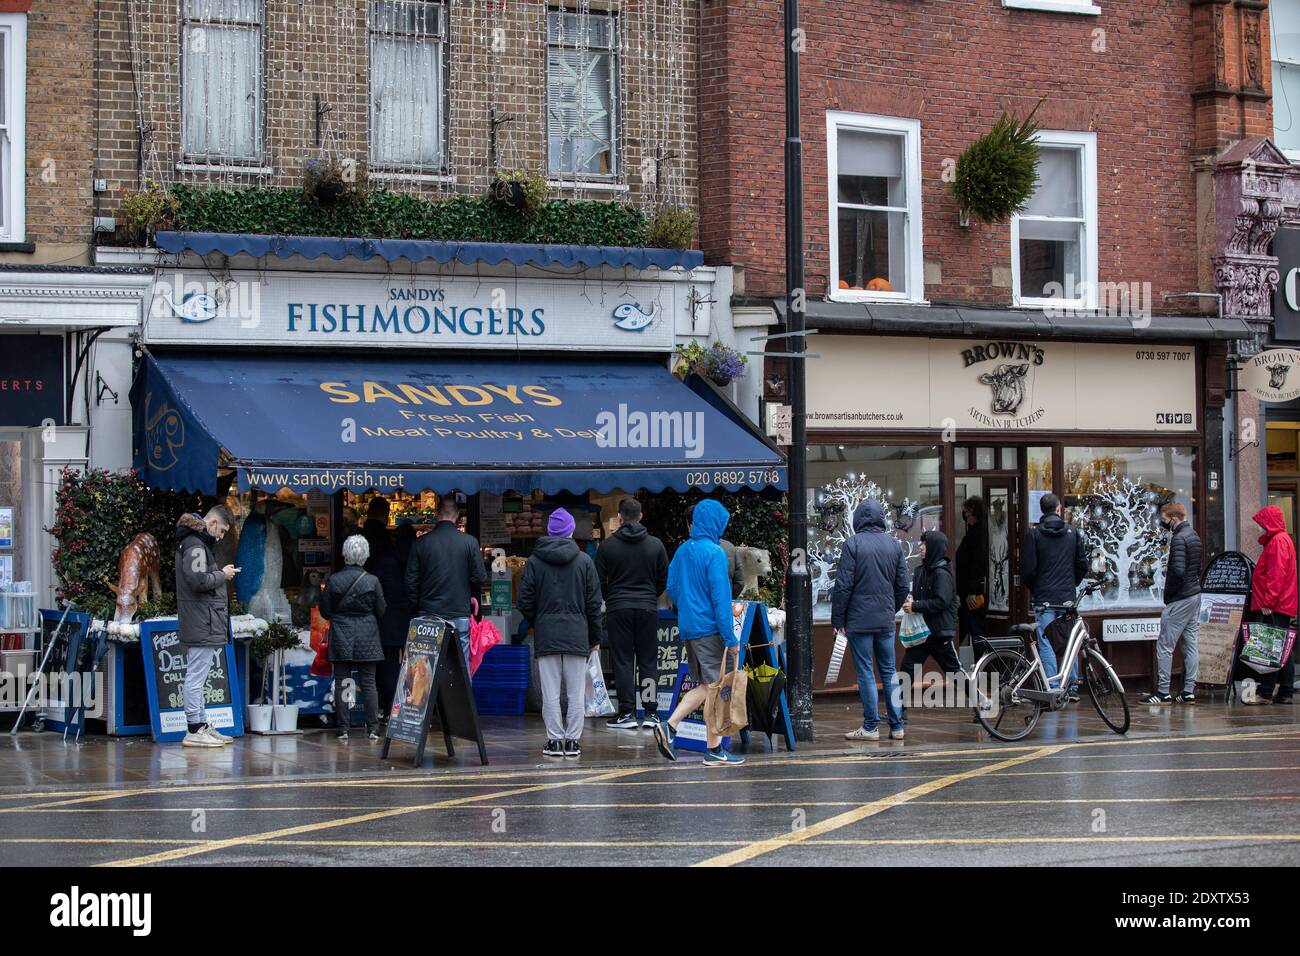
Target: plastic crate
492 702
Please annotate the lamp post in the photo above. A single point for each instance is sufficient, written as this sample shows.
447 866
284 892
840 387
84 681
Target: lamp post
798 583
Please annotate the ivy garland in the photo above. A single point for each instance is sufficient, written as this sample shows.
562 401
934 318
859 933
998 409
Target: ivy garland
996 175
383 214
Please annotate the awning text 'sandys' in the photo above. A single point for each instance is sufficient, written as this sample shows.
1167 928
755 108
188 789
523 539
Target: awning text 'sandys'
384 423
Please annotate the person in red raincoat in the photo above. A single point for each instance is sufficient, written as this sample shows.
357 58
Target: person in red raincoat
1273 596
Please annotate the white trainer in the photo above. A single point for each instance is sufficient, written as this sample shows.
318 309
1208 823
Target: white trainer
863 734
200 739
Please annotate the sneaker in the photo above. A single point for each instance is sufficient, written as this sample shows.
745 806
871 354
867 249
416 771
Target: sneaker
571 749
897 734
665 739
372 736
649 722
343 736
722 758
216 735
622 722
199 739
553 748
863 734
1186 698
1157 699
1072 695
1281 701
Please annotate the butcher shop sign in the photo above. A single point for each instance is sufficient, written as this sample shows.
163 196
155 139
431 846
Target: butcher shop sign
1272 376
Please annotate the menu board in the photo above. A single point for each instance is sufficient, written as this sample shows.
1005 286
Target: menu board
1220 617
164 675
1229 573
492 527
669 658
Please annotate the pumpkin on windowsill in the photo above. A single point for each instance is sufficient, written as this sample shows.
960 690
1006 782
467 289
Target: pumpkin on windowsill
880 284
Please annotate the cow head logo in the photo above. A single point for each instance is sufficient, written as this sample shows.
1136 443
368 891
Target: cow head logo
1008 384
1277 376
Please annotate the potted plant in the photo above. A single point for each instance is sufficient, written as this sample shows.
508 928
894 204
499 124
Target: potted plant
282 637
996 175
259 715
327 181
671 229
146 210
719 363
523 192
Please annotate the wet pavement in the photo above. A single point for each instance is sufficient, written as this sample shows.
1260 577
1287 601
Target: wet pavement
1209 785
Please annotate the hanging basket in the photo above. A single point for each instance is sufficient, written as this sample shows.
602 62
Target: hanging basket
997 174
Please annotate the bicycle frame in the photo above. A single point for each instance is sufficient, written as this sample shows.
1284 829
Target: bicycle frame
1073 648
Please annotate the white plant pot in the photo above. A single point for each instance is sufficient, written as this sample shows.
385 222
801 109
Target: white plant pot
259 718
286 717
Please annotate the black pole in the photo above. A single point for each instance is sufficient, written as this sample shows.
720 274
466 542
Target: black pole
798 584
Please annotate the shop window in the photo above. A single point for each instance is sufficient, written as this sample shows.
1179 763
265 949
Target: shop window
1284 36
984 458
222 89
13 92
407 74
874 174
1114 496
1038 478
903 478
1054 241
581 94
961 458
1281 443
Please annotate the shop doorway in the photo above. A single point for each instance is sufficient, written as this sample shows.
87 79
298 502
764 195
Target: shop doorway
992 476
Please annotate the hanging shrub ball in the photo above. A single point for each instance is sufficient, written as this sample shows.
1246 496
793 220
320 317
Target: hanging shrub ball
996 175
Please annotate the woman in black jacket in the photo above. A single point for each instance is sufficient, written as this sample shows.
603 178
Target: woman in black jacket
934 597
560 593
353 603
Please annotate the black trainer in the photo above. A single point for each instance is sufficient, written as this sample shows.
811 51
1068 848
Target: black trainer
553 748
1157 699
1186 698
571 749
622 722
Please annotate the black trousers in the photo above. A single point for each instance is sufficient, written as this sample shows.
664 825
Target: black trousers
365 671
1267 683
940 648
386 672
973 626
633 640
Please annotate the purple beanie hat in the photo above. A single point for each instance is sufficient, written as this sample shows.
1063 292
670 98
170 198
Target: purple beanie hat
560 523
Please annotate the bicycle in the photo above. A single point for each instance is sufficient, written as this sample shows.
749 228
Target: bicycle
1023 689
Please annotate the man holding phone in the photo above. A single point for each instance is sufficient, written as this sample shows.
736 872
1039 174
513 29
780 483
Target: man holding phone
203 610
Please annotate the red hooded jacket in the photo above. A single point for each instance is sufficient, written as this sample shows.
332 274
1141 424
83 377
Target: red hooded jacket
1273 586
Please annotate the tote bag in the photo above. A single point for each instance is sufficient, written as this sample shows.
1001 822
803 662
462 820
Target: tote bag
725 709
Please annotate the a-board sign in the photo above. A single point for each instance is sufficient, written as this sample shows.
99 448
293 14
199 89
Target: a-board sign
669 658
164 678
1216 644
433 681
1229 573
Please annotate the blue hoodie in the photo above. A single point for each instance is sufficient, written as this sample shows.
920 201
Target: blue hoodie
698 582
871 577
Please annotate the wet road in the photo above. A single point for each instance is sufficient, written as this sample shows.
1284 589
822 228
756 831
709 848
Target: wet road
1215 798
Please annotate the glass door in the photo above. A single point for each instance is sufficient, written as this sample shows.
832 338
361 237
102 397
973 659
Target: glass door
1002 514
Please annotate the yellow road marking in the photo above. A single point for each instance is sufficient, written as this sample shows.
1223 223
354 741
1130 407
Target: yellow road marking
214 845
849 817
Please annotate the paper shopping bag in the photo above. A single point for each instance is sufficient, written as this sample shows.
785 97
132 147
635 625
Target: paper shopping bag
725 709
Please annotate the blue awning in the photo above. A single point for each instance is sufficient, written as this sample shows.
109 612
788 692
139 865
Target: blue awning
417 250
326 423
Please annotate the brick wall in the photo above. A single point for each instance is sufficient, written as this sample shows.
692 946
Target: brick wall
60 129
954 65
312 52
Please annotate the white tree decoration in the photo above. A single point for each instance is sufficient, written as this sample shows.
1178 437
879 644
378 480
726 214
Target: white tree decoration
1120 518
833 525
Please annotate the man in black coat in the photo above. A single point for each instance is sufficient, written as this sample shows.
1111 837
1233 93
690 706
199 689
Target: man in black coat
934 597
445 570
972 571
633 569
1054 561
388 564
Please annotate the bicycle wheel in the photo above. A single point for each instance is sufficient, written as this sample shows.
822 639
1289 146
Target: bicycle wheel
998 711
1106 691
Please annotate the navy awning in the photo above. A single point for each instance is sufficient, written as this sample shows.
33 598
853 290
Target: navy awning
325 423
417 250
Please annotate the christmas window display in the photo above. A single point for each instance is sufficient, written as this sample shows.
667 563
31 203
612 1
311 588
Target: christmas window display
903 478
1114 495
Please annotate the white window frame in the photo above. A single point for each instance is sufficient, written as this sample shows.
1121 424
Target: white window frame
1292 60
226 161
911 131
1086 146
1055 6
13 143
566 178
412 171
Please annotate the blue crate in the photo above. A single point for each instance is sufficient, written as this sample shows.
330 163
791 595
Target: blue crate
499 703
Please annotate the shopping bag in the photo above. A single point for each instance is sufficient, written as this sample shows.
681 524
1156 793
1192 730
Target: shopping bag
913 630
598 702
725 707
837 658
483 636
320 631
1266 648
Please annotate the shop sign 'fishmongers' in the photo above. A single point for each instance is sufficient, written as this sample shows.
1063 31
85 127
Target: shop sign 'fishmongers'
481 312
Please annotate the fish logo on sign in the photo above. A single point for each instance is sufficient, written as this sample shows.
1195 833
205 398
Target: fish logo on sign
164 431
193 306
630 317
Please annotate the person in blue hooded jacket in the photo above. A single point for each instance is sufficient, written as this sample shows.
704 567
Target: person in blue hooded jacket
870 588
699 586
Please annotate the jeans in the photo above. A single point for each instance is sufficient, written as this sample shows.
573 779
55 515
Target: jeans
1178 620
1045 651
462 632
878 644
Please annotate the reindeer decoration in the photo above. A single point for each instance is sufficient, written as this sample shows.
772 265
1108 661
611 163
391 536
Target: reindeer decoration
137 571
